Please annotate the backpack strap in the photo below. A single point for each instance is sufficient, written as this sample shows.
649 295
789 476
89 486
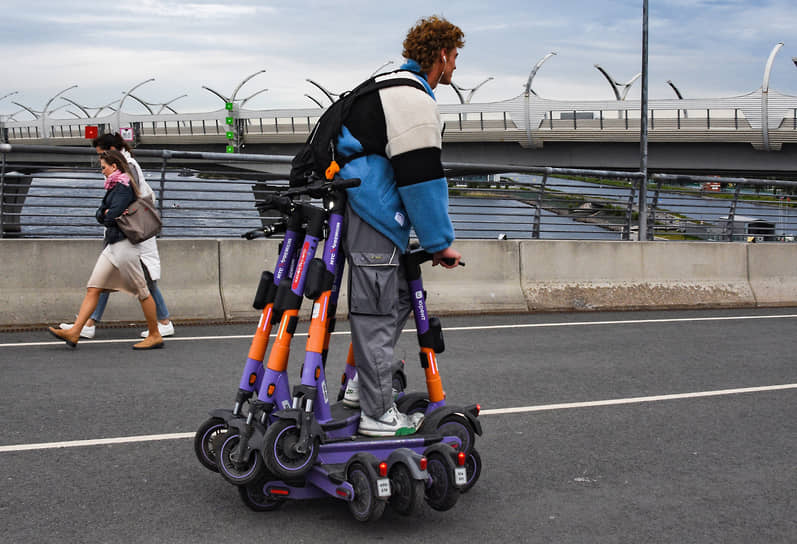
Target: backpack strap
369 87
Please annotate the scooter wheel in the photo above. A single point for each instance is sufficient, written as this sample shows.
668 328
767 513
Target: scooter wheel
441 493
366 505
253 497
407 492
204 441
473 469
459 426
237 471
280 454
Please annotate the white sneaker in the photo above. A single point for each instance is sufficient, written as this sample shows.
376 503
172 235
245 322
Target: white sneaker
165 330
85 332
351 397
392 423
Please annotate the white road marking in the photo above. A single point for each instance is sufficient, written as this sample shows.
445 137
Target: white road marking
446 329
636 400
497 411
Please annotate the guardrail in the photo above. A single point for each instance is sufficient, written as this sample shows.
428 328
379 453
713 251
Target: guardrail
51 201
764 120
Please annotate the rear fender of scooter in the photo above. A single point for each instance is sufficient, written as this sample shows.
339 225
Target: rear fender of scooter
432 421
412 461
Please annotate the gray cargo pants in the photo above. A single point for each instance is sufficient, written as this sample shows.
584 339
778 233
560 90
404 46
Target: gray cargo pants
379 305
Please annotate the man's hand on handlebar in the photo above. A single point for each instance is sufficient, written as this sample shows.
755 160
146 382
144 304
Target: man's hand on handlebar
447 258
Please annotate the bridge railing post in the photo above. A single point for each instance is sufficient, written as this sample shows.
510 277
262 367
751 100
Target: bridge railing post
2 194
535 232
629 211
732 213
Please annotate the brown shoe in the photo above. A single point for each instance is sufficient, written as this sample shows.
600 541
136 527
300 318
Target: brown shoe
150 342
64 335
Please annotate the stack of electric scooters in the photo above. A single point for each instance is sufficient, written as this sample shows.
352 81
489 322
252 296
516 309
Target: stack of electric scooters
278 444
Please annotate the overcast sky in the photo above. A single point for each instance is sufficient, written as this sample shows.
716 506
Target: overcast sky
709 48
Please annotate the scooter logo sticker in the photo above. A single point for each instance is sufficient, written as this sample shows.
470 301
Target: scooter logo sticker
286 405
324 391
297 276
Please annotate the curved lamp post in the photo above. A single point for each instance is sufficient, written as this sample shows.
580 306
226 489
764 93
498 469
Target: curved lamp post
458 90
527 89
122 101
231 98
616 85
320 105
765 95
527 92
233 123
329 94
9 94
388 63
47 105
679 95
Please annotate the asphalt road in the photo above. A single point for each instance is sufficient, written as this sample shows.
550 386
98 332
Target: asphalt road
715 467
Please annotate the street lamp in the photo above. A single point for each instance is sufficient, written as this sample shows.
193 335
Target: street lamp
388 63
320 105
765 95
616 84
231 99
47 105
533 73
459 90
122 101
329 94
9 94
679 95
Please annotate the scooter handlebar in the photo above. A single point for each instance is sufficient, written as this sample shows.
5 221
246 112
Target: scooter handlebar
267 231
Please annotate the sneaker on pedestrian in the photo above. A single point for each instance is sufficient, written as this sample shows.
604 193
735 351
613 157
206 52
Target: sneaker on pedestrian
391 423
86 332
351 397
165 330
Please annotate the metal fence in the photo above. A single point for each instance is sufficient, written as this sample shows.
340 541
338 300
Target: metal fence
204 199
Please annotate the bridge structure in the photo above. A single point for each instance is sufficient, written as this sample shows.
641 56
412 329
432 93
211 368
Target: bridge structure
754 133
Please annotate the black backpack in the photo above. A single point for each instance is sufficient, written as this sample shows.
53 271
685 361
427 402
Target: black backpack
317 157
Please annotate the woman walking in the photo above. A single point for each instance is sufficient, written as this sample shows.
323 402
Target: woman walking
150 258
118 267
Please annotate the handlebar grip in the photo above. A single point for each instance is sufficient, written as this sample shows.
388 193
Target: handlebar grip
449 262
345 183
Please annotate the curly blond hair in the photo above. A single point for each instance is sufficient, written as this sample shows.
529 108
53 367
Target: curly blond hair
429 35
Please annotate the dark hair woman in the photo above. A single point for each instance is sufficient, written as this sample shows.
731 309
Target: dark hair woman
118 267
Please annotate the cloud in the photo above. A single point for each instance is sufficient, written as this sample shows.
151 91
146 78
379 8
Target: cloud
708 47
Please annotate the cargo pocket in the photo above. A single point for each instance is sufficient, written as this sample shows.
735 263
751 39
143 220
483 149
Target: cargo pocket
374 283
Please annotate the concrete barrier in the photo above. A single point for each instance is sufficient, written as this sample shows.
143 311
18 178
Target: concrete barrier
241 264
43 281
582 275
773 273
489 281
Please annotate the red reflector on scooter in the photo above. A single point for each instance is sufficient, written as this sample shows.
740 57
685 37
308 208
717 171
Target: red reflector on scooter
382 470
278 491
461 458
422 463
340 492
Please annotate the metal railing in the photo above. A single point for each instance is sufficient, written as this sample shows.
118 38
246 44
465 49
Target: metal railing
41 200
765 120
